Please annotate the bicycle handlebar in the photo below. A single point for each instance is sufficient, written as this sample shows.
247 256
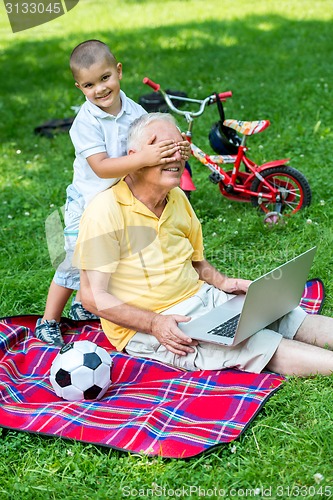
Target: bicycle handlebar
155 86
223 96
211 99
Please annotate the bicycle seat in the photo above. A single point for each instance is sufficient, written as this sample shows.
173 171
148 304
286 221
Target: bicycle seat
247 128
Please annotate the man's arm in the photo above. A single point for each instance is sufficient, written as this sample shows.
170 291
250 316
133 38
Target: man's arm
96 298
212 276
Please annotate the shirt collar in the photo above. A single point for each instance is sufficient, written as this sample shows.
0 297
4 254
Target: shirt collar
99 113
124 195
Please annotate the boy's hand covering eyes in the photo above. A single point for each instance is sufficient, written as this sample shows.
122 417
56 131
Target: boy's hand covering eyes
185 148
160 152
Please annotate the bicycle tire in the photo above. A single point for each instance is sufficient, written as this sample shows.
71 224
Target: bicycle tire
295 190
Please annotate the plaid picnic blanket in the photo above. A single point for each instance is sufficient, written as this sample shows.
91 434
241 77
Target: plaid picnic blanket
150 407
313 297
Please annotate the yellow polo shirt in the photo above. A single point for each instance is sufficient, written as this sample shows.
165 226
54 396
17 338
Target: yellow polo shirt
149 258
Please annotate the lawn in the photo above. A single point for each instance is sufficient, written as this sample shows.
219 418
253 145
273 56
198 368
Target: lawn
276 58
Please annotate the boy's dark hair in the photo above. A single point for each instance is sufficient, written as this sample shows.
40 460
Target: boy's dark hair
88 53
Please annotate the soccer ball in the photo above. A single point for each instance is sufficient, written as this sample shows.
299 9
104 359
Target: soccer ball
81 370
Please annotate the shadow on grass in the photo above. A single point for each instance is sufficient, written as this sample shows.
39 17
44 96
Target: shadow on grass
269 62
286 56
277 68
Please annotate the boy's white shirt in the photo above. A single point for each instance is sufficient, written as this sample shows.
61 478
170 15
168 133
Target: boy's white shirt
95 131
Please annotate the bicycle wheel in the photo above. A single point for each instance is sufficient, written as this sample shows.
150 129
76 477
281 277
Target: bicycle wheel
293 186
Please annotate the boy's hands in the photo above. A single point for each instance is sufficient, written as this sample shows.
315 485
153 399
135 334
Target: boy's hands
163 152
185 148
159 152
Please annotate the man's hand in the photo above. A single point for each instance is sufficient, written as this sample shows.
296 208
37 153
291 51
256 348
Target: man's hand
235 285
165 329
210 275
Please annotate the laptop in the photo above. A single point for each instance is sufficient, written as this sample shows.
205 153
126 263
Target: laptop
268 298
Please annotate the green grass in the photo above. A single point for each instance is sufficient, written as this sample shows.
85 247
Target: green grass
276 58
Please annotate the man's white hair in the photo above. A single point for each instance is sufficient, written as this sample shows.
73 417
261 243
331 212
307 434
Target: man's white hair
137 135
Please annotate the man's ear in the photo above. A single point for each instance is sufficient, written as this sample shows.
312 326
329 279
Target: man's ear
77 85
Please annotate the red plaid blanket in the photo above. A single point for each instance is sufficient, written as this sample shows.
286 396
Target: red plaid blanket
150 407
313 297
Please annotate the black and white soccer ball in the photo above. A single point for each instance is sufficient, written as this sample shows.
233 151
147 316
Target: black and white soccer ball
81 371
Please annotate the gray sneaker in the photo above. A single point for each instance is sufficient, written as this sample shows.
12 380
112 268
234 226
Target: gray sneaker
79 313
49 332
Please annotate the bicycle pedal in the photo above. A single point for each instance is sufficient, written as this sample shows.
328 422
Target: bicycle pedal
214 177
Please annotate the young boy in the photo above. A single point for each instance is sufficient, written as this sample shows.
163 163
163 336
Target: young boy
99 136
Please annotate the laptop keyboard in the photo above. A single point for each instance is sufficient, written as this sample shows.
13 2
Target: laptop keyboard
227 329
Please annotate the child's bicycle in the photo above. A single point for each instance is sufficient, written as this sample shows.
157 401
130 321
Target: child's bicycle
276 188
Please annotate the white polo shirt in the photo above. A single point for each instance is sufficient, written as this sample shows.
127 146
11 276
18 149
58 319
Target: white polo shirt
95 131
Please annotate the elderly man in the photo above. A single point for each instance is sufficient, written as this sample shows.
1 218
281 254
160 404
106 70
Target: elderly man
143 271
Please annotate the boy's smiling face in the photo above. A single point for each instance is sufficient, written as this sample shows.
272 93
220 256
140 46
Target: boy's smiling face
100 83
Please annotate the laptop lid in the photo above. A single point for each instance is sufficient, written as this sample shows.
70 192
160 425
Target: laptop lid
268 298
